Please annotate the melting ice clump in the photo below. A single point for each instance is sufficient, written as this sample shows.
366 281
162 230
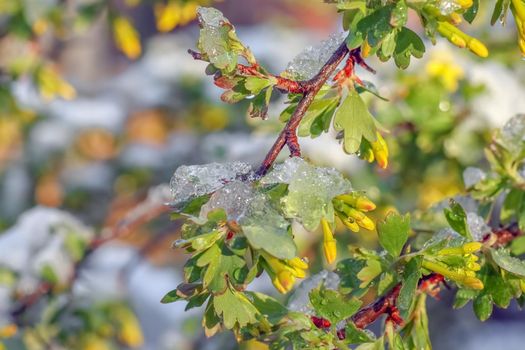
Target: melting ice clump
310 190
192 181
478 227
513 133
234 198
308 63
472 176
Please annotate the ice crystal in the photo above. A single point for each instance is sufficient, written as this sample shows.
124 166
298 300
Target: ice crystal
472 176
308 63
310 190
192 181
234 198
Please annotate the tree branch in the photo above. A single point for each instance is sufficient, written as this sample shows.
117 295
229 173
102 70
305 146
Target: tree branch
386 305
288 135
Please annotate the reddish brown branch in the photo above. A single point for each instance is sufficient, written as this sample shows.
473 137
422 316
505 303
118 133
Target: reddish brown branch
283 84
431 284
288 135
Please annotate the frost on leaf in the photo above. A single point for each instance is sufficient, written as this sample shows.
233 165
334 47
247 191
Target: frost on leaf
310 190
234 198
265 228
193 181
477 226
308 63
218 42
513 133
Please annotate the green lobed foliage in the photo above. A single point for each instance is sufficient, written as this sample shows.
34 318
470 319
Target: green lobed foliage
231 246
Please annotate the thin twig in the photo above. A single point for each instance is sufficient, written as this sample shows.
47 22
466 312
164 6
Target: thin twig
288 135
386 305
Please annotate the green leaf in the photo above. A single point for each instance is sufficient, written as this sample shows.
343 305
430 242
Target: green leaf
256 84
48 274
508 263
457 219
266 229
483 307
75 245
512 205
463 296
472 12
235 309
218 42
171 297
259 105
320 111
354 119
517 247
386 282
355 335
379 344
408 44
222 266
268 306
376 25
411 276
332 305
393 232
369 272
347 271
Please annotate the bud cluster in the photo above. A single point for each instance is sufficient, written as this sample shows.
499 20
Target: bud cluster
459 264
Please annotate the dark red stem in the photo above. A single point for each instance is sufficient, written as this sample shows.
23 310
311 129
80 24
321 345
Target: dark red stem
288 135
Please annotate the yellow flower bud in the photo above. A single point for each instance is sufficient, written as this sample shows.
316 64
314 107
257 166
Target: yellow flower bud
349 223
286 280
168 16
380 149
478 48
455 18
458 41
471 247
465 4
298 263
189 12
518 9
357 201
474 266
522 46
126 37
367 223
354 214
473 282
329 243
278 285
522 286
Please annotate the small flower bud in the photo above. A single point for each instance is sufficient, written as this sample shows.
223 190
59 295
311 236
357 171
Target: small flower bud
473 282
329 243
478 48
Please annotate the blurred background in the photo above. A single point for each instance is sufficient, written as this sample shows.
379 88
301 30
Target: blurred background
100 103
